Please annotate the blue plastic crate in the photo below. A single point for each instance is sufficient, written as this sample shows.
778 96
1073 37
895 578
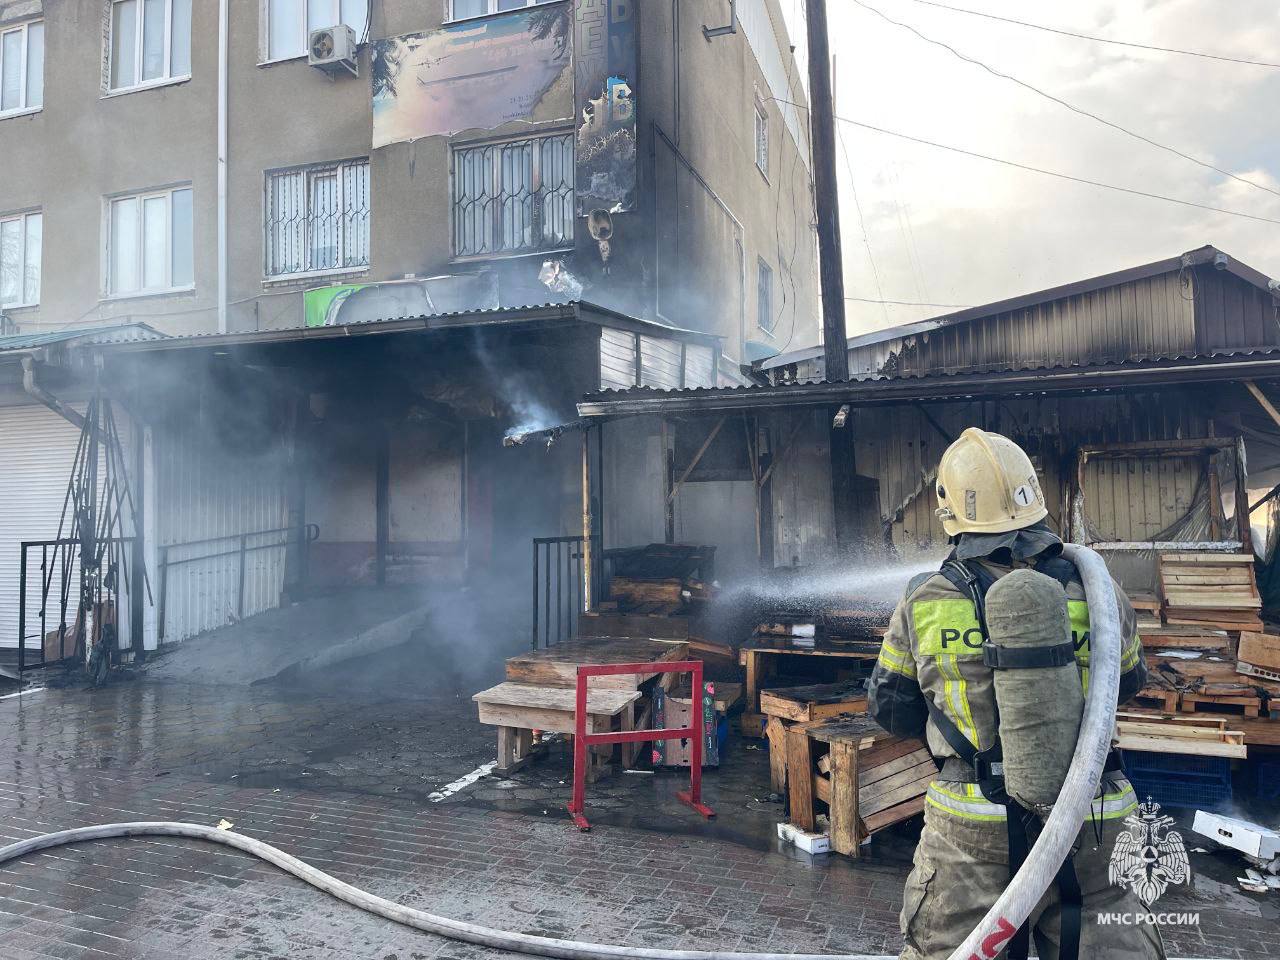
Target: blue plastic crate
1268 782
1174 780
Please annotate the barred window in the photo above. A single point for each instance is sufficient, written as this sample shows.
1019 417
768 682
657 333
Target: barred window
318 218
513 197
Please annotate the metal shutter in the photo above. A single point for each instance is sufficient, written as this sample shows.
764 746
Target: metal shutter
36 450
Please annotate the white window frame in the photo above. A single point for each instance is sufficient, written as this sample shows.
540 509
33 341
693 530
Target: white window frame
760 140
264 39
166 77
21 218
764 272
491 8
337 168
108 252
23 108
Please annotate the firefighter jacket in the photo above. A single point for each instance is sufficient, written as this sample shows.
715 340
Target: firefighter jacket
933 648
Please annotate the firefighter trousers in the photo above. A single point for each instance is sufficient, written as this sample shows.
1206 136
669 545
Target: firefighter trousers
962 866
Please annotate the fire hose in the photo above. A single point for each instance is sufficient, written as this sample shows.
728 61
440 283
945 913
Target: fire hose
987 940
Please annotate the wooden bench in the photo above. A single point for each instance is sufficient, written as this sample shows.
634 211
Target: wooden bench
868 779
517 709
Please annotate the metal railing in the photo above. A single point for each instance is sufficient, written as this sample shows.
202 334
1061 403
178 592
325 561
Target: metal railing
302 536
65 554
557 586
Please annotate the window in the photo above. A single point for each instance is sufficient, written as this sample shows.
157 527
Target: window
290 22
318 218
478 8
149 243
22 68
762 140
513 197
20 259
150 42
764 294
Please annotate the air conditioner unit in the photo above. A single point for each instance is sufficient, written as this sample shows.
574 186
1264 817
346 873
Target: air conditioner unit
332 49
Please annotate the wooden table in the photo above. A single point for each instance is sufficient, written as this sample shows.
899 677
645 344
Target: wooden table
539 694
761 657
517 709
867 778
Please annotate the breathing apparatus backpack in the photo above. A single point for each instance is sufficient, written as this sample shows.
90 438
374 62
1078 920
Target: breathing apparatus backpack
1039 703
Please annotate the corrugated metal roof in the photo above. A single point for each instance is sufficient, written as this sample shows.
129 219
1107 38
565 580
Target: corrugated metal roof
916 386
116 333
569 310
1202 256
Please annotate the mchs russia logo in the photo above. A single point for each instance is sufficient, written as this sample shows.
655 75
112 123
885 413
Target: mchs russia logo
1149 857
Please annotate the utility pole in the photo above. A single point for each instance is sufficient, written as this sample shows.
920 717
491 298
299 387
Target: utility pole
831 266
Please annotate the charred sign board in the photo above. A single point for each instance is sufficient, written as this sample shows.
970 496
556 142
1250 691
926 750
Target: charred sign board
475 75
604 98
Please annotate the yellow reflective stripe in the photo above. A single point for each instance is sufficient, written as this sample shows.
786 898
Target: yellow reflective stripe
1132 651
972 805
956 697
906 668
887 647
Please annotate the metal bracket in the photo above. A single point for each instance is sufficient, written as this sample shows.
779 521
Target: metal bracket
731 27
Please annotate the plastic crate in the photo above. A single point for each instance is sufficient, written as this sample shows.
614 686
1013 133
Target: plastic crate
1268 783
1173 780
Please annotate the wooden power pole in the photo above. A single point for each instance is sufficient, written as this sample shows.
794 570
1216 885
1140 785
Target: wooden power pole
831 266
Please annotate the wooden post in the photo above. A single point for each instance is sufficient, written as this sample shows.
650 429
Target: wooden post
588 559
800 773
845 828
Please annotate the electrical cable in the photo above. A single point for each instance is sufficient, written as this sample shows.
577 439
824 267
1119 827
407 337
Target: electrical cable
1058 100
913 303
1053 173
1085 36
862 224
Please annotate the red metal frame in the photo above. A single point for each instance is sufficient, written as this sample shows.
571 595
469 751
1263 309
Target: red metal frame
583 741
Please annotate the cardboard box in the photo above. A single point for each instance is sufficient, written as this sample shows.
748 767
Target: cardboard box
671 712
1249 838
1260 650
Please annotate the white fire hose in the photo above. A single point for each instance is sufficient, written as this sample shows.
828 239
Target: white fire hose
1012 908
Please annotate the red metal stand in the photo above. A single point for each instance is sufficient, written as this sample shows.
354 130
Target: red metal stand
583 741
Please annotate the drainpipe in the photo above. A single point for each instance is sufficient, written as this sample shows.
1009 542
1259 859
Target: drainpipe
38 392
224 30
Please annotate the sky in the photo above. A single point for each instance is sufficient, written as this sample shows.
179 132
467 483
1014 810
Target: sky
941 228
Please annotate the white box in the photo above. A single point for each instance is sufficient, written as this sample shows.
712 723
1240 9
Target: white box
808 842
1249 838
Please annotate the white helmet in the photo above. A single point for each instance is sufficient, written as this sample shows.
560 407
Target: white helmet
986 484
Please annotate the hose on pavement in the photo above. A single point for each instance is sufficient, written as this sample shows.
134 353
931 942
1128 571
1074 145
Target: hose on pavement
985 942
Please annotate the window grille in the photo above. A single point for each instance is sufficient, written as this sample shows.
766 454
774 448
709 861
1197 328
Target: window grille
513 197
764 296
318 218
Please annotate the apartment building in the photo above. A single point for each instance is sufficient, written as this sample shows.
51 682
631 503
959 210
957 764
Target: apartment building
588 193
462 139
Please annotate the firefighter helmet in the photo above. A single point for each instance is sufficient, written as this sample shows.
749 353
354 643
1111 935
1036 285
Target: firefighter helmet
987 484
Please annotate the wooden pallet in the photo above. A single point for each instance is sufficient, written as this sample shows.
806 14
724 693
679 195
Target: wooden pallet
816 702
1199 735
1203 589
1247 706
1164 700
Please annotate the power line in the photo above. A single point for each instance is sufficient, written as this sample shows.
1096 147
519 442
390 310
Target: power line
1058 100
862 223
912 303
1085 36
1053 173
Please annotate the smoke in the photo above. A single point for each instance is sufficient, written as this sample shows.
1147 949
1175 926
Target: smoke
516 389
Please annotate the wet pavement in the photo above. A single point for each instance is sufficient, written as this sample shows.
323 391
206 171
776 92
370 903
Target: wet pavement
349 771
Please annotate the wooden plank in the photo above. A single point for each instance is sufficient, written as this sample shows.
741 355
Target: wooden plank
1212 600
843 805
603 702
906 791
873 775
891 815
921 770
557 666
887 749
1182 745
800 778
776 733
1210 558
636 625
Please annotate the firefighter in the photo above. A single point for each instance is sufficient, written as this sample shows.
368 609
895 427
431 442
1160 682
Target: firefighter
933 679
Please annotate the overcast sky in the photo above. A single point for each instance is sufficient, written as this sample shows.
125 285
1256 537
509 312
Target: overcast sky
949 229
